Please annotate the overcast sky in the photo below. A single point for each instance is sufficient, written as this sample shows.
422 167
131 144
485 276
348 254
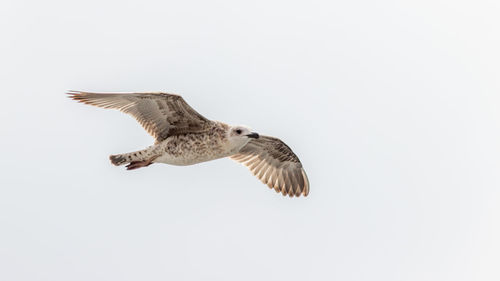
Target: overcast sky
392 107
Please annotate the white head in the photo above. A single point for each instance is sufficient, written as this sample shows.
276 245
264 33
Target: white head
239 136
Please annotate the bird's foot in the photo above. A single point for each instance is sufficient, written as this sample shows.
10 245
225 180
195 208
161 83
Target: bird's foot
138 164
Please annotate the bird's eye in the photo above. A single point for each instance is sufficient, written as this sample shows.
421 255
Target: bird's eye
238 131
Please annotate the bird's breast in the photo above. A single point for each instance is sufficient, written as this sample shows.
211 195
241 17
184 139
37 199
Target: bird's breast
192 148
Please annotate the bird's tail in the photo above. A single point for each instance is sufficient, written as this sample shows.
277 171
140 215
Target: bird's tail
120 159
141 155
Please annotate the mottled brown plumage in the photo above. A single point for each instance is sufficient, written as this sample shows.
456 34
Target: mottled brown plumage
275 164
185 137
161 114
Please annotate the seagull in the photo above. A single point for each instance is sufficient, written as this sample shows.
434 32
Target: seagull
184 137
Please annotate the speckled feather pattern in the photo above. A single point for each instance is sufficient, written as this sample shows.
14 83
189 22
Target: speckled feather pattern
185 137
192 148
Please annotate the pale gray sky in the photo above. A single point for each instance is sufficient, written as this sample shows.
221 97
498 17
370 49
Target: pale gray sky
392 107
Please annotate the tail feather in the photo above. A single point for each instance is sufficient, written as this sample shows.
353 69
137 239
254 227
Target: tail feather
119 159
144 156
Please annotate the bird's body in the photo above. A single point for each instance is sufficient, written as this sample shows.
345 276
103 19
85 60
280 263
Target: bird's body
184 137
187 149
195 148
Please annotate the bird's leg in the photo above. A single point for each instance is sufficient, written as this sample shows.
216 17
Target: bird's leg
138 164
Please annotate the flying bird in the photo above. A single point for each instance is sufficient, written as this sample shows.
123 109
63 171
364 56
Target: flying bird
185 137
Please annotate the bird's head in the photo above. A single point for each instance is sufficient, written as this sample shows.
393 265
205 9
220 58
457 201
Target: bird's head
240 135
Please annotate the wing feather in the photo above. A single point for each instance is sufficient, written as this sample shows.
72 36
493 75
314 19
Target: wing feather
160 114
275 164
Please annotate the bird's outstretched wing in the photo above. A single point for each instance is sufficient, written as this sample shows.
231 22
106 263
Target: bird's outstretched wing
275 164
161 114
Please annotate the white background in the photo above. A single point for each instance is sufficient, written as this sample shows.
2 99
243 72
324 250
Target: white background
392 107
